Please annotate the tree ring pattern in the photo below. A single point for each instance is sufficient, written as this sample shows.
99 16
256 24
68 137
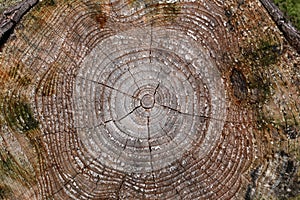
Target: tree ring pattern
137 108
140 108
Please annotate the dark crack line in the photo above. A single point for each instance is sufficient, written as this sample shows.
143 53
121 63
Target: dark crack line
133 79
160 70
150 151
129 113
120 187
166 133
155 91
188 78
199 116
110 87
95 187
114 63
74 176
72 179
111 60
177 192
171 139
118 120
107 121
149 136
151 40
125 145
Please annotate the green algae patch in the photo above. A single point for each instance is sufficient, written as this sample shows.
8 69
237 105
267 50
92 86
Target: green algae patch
167 11
4 4
46 3
18 169
49 2
264 54
18 115
259 59
291 8
10 167
11 173
5 191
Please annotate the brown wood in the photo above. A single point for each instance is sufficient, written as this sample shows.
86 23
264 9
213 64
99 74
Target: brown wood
133 99
289 31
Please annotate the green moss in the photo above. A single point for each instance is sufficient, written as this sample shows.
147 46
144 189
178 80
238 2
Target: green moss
261 57
5 191
19 115
266 53
12 171
6 165
4 4
50 2
295 198
291 8
46 3
9 167
168 11
260 84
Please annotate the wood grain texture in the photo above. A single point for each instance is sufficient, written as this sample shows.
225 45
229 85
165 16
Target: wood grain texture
130 99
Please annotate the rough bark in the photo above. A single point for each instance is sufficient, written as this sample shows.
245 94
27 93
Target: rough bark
290 32
149 100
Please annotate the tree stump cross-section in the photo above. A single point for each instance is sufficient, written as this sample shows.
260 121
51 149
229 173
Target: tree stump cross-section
131 99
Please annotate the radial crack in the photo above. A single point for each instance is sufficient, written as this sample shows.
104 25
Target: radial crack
110 87
155 91
123 117
194 115
151 39
133 79
129 113
150 150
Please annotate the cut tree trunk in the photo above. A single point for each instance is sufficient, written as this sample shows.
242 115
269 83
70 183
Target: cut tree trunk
149 99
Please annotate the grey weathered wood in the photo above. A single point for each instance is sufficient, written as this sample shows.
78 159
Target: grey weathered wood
11 16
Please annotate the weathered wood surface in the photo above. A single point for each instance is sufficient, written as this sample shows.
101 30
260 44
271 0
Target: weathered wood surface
290 32
11 16
148 100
